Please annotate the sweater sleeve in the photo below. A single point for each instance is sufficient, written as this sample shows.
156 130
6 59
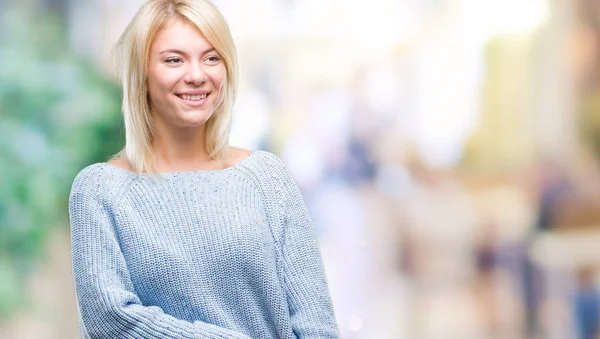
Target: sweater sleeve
107 303
311 309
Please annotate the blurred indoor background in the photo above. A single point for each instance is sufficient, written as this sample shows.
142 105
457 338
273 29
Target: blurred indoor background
448 151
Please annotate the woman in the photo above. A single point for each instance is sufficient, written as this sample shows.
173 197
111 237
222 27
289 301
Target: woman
180 235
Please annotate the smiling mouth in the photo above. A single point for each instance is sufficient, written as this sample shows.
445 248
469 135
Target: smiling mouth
193 97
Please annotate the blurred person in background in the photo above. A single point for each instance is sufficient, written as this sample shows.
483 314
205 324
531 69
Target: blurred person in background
586 304
180 235
553 187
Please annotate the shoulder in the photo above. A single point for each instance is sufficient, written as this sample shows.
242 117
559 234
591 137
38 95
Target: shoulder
261 162
121 163
93 199
236 155
86 190
99 179
268 170
89 176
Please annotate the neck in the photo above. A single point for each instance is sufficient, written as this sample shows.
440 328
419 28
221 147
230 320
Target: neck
182 149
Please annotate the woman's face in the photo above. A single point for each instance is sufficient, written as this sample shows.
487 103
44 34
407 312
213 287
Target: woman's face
184 76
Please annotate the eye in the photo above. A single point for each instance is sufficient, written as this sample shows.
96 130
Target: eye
173 60
213 59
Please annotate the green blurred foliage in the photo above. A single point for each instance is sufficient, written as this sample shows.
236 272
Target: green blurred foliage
58 113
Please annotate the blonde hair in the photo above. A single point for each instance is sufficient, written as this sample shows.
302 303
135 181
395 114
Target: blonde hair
131 56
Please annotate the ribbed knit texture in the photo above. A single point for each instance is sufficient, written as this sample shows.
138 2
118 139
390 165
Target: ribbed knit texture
204 254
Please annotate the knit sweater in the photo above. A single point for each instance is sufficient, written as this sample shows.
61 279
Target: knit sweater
226 253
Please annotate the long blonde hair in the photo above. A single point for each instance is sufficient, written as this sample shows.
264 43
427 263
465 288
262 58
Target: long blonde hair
131 56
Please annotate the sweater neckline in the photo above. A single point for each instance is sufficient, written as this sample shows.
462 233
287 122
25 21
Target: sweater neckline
187 173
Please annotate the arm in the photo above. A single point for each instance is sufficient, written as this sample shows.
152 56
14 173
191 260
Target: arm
107 302
311 309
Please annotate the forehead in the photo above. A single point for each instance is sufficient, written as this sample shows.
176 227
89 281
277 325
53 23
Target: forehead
180 35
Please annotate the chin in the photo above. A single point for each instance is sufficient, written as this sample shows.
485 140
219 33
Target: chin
194 119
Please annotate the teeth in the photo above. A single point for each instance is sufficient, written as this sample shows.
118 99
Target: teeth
193 97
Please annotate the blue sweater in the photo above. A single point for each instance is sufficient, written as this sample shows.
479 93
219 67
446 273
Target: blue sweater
226 253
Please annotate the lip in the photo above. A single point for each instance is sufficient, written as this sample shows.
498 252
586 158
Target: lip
193 103
192 93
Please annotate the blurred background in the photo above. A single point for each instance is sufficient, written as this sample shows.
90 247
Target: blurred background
448 151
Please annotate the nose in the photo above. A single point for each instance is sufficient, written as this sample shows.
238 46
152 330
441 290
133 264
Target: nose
195 74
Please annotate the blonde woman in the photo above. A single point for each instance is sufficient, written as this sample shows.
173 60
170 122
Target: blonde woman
180 235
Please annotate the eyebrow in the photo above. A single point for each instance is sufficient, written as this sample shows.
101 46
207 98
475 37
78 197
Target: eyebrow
171 50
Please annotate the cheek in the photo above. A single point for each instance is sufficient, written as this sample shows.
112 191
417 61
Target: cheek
218 76
160 84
